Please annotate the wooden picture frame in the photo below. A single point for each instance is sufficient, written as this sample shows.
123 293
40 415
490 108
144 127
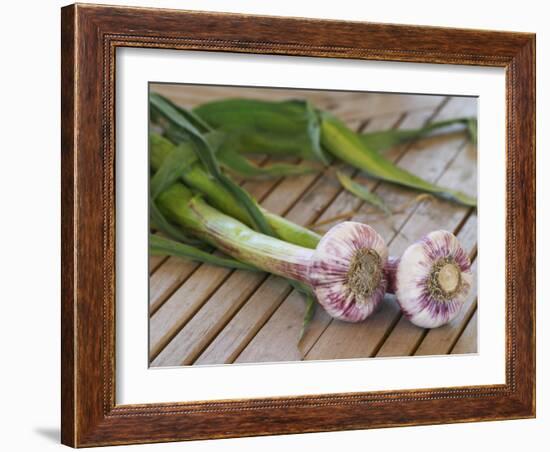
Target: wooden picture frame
90 36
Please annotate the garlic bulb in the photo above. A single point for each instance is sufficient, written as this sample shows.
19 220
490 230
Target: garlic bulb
431 280
347 271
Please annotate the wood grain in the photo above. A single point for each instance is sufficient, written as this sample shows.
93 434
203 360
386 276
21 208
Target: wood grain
467 343
91 34
245 324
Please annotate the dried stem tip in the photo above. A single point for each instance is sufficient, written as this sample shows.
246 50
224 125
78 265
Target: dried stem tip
365 273
445 279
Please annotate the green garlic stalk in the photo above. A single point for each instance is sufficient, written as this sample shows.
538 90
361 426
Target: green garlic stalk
348 147
296 128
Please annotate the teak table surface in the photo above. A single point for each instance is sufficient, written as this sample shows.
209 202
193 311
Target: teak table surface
200 314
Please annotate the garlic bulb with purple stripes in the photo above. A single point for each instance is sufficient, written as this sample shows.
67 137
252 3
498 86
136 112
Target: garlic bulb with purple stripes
347 271
431 280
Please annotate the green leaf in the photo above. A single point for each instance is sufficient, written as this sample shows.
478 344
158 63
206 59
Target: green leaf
386 139
206 154
161 107
191 117
285 128
242 166
472 129
362 192
176 119
161 246
274 128
174 164
243 197
218 196
347 146
314 131
311 305
215 140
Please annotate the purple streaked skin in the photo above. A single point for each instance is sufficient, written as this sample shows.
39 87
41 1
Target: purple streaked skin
431 280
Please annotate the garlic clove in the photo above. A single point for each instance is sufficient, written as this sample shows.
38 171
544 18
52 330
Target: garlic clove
346 271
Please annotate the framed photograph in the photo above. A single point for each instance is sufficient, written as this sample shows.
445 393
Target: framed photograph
282 225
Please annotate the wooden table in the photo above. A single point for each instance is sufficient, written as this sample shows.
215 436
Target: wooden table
201 314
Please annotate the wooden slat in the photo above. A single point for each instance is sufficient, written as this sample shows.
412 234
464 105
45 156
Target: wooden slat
183 304
245 324
198 332
168 277
384 105
467 343
303 212
278 339
155 262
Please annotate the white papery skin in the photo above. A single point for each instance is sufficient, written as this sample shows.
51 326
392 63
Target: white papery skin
413 275
330 265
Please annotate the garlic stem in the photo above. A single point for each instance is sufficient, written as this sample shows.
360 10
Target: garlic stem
233 237
345 271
